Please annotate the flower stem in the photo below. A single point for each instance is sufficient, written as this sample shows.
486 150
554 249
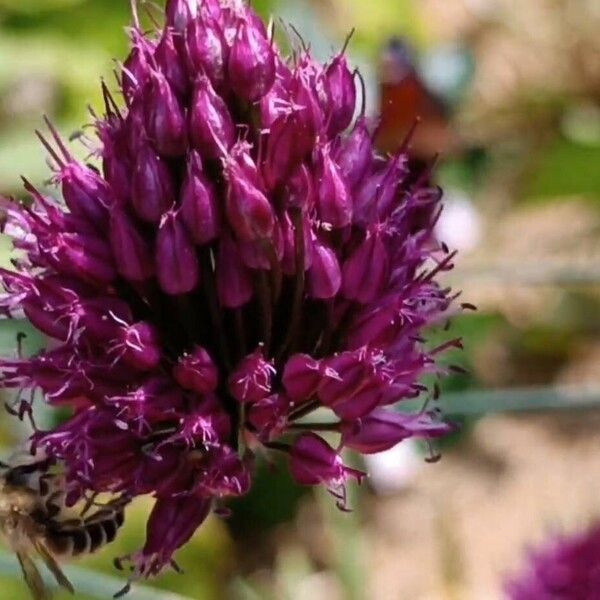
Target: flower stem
240 331
299 282
264 299
304 410
278 446
315 426
208 286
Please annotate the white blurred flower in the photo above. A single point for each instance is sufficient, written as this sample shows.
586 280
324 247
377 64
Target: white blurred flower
460 225
392 470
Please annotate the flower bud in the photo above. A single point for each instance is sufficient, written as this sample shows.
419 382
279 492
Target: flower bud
376 324
324 277
352 385
300 189
206 50
387 194
301 377
234 281
165 123
141 348
42 317
241 154
268 416
288 144
248 210
357 405
152 189
251 379
251 63
199 210
382 429
102 318
314 461
136 68
177 264
304 95
275 103
86 194
341 91
169 61
212 130
196 372
116 165
365 198
172 522
367 269
179 13
135 135
212 8
229 476
131 251
334 203
83 256
354 154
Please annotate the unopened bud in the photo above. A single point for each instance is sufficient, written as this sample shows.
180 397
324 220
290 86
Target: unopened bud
251 63
212 129
177 263
249 212
165 122
197 372
199 210
324 276
132 253
152 188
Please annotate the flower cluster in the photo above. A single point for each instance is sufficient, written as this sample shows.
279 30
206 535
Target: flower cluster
242 258
568 568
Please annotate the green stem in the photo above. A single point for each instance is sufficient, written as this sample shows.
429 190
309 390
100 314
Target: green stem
535 398
314 426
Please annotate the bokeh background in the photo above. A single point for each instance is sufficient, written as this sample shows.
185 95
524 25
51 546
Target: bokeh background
509 95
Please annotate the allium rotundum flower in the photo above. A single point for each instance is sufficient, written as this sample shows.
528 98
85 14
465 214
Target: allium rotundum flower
567 568
241 258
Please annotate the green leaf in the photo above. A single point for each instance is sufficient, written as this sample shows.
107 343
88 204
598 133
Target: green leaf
88 583
563 169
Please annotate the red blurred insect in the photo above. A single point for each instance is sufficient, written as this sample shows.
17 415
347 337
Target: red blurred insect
406 99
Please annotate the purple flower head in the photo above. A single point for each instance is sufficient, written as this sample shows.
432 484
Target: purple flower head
243 258
566 568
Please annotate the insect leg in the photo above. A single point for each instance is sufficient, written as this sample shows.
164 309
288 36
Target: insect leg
32 577
53 566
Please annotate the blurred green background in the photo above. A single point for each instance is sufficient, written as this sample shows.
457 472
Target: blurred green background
516 115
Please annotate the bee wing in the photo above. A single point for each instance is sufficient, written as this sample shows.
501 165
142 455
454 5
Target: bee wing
32 577
53 566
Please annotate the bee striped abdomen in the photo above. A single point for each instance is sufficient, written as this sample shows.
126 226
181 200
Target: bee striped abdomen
67 540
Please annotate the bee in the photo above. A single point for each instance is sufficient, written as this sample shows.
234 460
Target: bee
33 520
